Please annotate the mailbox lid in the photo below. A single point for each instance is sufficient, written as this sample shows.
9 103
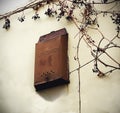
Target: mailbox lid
53 34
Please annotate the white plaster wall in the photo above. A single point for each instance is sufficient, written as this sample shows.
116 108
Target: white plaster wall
17 52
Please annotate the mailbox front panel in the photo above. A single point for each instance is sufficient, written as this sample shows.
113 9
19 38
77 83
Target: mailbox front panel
51 61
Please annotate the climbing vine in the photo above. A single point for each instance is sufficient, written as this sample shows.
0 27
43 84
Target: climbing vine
85 19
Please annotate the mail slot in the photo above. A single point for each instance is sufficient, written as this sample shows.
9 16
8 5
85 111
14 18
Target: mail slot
51 60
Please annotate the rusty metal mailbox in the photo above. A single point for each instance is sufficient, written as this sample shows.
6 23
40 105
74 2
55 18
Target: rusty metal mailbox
51 60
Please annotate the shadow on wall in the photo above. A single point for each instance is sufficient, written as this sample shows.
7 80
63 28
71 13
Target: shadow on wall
51 94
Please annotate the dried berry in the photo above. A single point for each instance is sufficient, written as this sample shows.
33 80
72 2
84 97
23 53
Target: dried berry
95 70
7 24
116 18
105 1
69 18
21 19
101 74
36 16
50 12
